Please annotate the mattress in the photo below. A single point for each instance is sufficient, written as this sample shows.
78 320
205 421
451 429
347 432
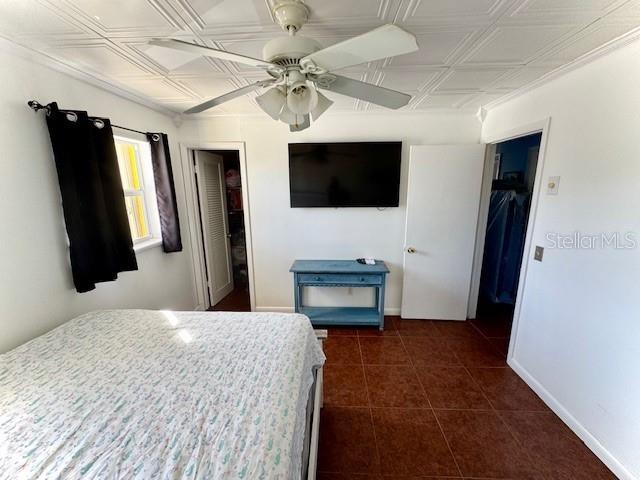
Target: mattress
146 394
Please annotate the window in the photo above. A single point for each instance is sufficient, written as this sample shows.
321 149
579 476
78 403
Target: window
134 160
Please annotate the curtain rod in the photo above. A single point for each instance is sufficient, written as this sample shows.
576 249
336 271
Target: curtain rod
37 106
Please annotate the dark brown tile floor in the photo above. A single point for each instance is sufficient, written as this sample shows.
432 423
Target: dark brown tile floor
236 301
427 399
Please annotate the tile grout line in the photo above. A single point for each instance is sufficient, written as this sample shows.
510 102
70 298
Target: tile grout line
530 466
477 329
488 338
477 384
430 406
433 412
482 391
526 452
369 406
439 409
484 394
493 408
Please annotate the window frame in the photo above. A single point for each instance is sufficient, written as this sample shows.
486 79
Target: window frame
147 191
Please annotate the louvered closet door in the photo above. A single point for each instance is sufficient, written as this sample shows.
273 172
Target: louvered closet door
215 229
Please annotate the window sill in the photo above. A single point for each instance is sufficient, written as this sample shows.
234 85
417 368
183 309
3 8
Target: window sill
147 244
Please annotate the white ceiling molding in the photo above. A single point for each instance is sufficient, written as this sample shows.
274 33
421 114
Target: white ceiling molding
473 53
44 60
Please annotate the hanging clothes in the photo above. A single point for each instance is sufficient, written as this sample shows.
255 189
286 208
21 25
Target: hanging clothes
513 248
504 244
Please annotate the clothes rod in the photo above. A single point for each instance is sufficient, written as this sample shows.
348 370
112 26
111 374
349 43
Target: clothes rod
37 106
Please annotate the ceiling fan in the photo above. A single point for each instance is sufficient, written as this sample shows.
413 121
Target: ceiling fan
299 67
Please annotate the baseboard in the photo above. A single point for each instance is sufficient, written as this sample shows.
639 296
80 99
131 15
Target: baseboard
590 441
275 309
387 311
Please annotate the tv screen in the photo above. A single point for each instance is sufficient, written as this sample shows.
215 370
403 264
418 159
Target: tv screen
344 174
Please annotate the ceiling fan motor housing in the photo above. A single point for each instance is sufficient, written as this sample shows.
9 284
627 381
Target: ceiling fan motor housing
290 14
287 51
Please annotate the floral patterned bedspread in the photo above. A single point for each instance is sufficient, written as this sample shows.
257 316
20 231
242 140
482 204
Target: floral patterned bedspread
141 394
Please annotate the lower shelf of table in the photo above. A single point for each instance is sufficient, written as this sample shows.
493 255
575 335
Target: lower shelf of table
342 315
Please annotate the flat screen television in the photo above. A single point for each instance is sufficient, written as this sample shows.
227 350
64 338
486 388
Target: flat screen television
344 174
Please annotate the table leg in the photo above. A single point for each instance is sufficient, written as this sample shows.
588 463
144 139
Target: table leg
380 305
297 294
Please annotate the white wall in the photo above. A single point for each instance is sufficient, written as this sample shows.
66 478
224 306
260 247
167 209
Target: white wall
578 337
282 234
36 290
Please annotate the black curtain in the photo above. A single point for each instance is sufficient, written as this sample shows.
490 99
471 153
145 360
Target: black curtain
165 192
95 214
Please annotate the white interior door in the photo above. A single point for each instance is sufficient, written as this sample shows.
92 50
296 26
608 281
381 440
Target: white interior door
215 228
442 213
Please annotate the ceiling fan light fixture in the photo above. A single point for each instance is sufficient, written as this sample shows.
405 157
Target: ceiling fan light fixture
289 117
303 124
272 102
302 98
299 65
323 104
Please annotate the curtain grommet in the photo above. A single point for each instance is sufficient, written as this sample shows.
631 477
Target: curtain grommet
98 123
72 116
155 137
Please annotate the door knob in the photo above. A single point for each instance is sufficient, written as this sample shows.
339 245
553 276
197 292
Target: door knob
411 250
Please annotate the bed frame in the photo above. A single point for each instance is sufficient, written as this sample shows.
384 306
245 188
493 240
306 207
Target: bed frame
315 422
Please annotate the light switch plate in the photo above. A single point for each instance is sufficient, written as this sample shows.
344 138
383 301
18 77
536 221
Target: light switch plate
553 185
539 253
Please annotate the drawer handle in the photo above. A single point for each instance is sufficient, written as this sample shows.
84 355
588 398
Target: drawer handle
318 279
362 279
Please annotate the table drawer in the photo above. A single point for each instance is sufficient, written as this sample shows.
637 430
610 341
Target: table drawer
339 279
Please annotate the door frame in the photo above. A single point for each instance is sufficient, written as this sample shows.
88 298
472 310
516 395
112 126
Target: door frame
542 126
193 216
481 229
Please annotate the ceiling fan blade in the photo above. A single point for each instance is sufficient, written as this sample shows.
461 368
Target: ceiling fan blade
323 104
366 91
386 41
228 96
213 52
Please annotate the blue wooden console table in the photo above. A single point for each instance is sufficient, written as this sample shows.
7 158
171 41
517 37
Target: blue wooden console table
340 273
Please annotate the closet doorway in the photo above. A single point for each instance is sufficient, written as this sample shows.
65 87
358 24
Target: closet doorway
508 195
217 204
219 185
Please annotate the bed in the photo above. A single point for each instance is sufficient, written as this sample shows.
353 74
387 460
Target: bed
155 394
